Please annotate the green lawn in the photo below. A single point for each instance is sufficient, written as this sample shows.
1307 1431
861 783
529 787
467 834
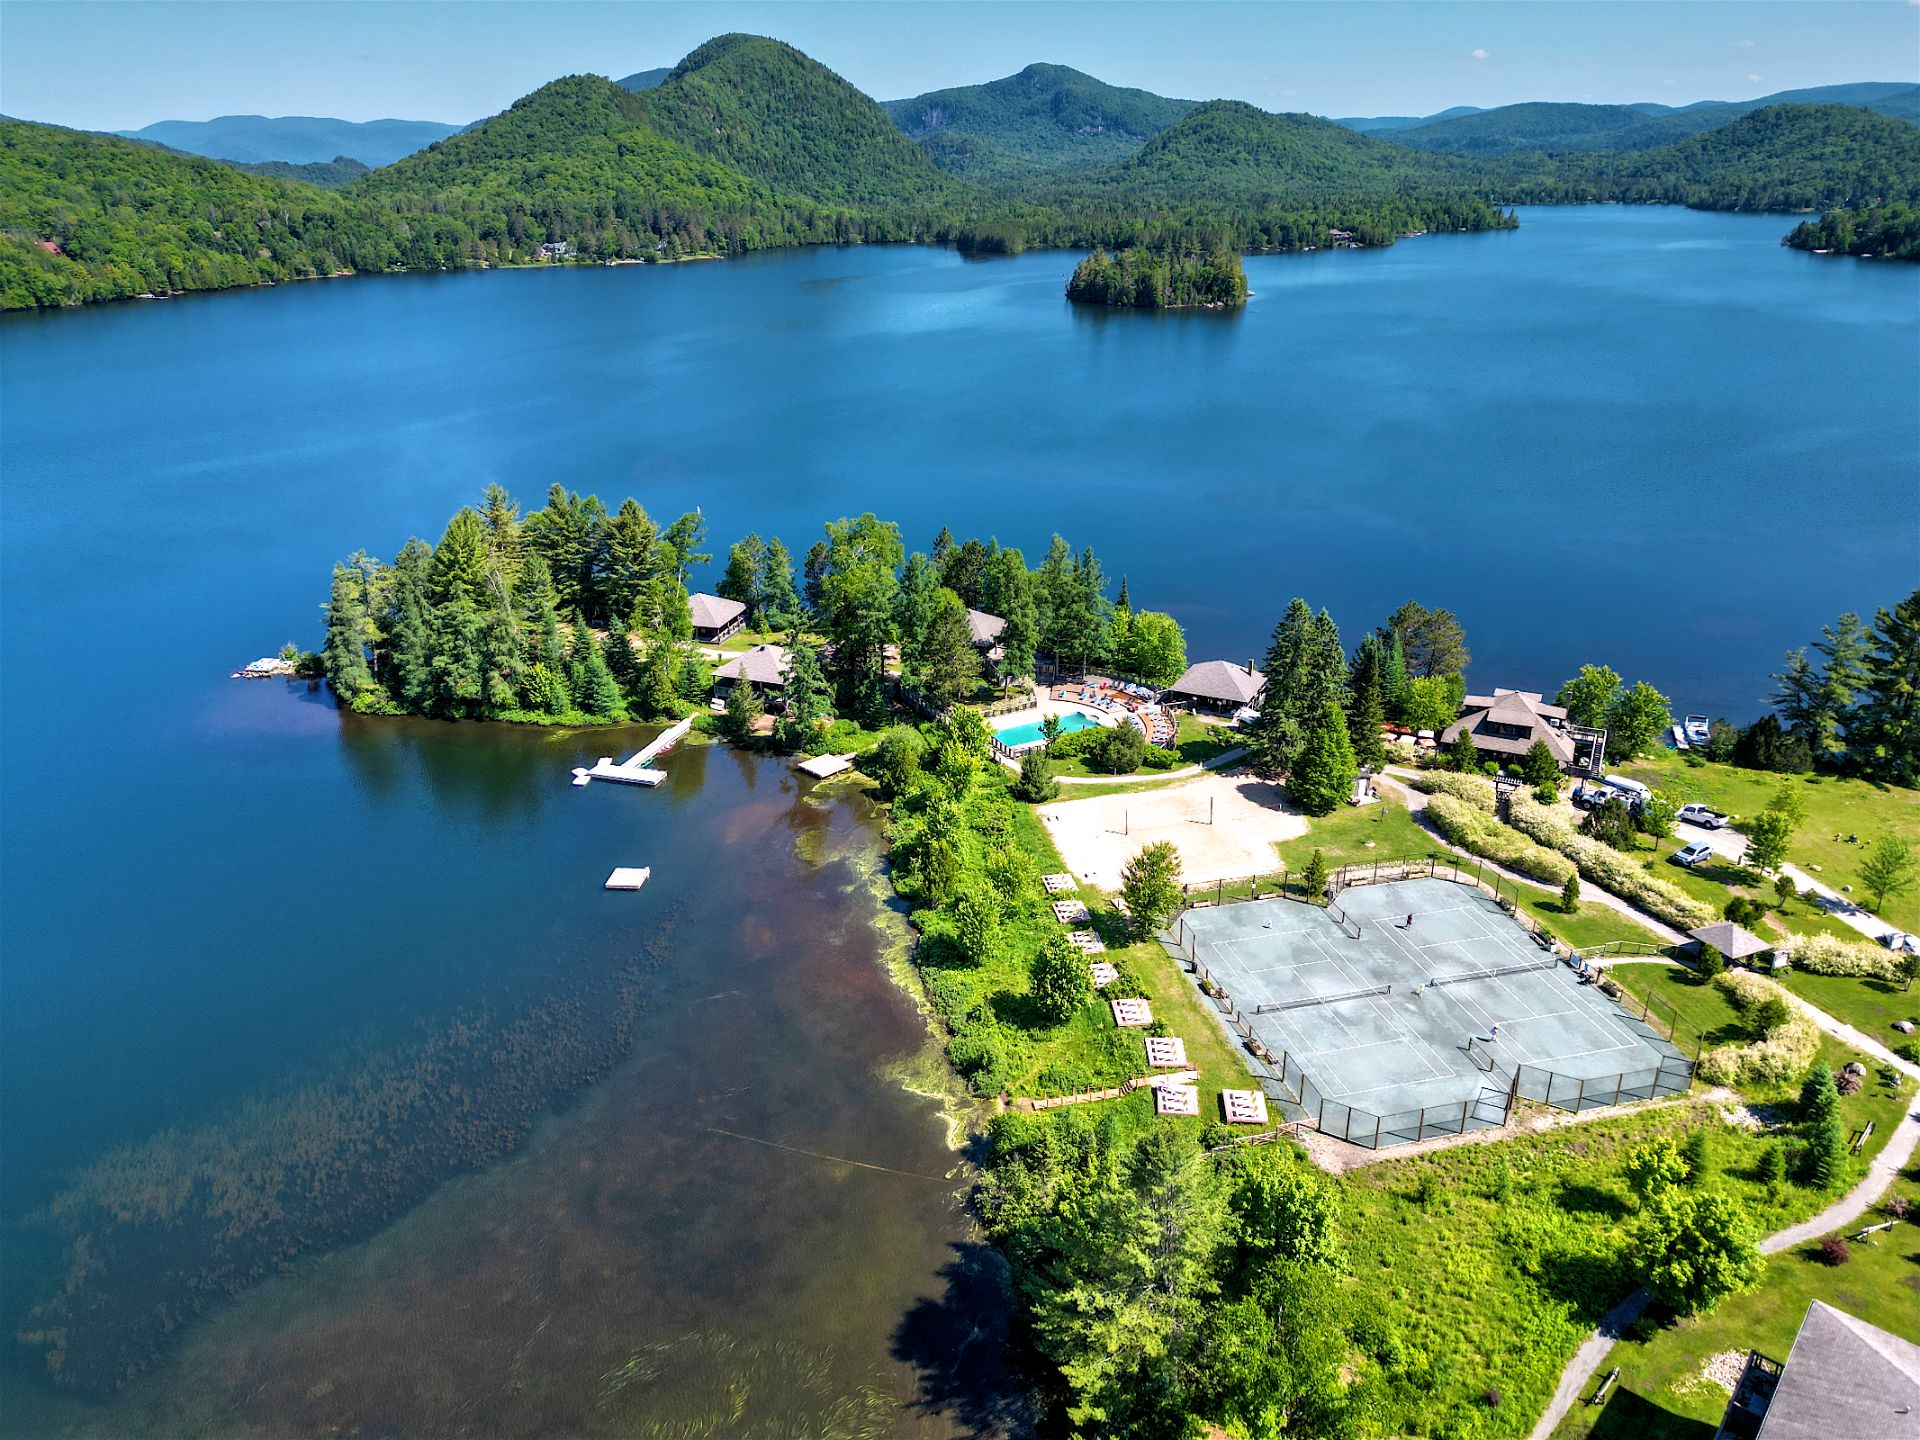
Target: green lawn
1359 834
1835 808
1661 1393
1195 743
1592 924
1870 1006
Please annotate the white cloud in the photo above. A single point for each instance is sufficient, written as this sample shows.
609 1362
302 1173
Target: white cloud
1748 44
1482 55
1753 79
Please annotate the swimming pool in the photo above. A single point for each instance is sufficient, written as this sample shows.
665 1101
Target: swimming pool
1017 736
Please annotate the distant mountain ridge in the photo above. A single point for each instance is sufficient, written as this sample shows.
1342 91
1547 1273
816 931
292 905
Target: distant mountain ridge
1560 126
295 139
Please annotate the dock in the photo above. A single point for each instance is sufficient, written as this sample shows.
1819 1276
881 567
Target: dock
629 878
825 767
638 769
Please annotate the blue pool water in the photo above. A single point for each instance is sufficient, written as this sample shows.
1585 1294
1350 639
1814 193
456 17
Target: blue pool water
1029 734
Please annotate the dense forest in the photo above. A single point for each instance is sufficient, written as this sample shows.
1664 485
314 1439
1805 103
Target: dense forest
1138 279
749 145
1889 230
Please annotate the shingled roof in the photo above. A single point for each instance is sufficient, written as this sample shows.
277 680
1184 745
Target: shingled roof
984 627
1523 710
763 665
1730 940
1221 681
1845 1377
711 612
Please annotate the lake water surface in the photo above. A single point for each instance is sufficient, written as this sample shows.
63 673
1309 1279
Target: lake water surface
497 1152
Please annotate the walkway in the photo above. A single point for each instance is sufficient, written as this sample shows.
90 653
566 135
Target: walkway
1219 762
1892 1158
1732 844
1416 803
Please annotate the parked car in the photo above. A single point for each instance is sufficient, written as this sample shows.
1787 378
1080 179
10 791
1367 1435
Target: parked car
1900 940
1692 855
1705 816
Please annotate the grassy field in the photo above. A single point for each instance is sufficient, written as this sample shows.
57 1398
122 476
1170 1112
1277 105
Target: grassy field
1662 1394
1836 808
1359 834
1195 743
1592 924
1870 1006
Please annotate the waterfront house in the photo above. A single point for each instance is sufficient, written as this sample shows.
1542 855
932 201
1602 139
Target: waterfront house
764 667
1218 685
1843 1377
1505 725
984 629
715 619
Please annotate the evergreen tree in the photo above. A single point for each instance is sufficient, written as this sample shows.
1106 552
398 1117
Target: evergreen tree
743 711
344 654
616 648
566 533
1274 737
685 536
1314 877
457 677
459 560
858 589
1366 720
1323 772
1461 754
963 570
1883 732
1434 641
1012 601
1035 784
1394 678
658 684
411 677
1570 894
506 546
914 610
502 652
807 697
745 577
1539 767
949 664
779 602
814 573
1053 597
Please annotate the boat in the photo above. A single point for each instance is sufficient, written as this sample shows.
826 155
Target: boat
1698 729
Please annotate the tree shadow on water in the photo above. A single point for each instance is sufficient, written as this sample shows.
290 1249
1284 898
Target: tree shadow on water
957 1345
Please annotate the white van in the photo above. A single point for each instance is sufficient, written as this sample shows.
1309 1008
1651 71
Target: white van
1626 786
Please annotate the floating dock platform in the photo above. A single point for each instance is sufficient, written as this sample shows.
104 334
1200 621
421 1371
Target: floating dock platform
825 767
627 878
639 769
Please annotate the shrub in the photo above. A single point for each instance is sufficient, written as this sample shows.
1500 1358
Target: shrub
1773 1164
1848 1082
1117 750
1830 955
1036 784
895 761
1470 788
1744 910
1607 867
1473 829
1570 895
1611 823
1156 759
1781 1054
1897 1207
1058 980
1150 884
1712 964
1834 1250
1693 1250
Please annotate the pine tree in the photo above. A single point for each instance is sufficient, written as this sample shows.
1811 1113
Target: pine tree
658 683
914 610
743 710
577 652
1461 755
1366 720
1275 736
1883 732
807 696
506 546
1012 601
411 641
743 580
779 602
503 662
1324 770
459 560
457 678
344 654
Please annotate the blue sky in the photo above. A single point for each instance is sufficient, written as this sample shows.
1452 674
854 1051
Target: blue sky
115 65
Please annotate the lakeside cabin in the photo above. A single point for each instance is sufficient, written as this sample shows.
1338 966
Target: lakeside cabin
715 619
764 667
1216 685
985 631
1505 725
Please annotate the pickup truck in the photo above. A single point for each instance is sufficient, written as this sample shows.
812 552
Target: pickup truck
1692 855
1705 816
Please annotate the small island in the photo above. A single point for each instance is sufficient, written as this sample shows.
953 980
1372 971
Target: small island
1160 279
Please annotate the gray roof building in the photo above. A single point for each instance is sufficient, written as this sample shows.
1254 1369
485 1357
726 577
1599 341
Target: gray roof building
764 665
985 628
1506 723
1844 1380
713 616
1219 682
1730 940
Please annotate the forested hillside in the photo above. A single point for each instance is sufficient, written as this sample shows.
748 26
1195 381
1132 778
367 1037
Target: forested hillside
1047 118
1891 230
294 139
748 144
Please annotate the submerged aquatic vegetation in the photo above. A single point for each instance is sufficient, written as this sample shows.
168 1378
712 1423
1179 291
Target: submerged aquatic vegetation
710 1382
157 1231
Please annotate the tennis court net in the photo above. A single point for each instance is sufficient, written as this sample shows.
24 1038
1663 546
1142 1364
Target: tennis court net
1321 1000
1493 974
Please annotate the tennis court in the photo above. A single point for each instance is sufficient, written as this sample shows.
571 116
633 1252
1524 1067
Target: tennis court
1402 1027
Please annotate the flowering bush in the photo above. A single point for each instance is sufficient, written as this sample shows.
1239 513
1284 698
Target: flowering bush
1475 790
1786 1045
1830 955
1607 867
1474 830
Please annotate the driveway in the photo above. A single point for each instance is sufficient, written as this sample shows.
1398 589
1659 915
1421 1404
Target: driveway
1732 844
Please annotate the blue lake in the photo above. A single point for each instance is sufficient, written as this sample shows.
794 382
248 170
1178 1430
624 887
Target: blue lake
1644 436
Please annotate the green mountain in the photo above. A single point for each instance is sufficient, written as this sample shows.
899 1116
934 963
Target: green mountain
790 123
296 139
1511 129
643 79
328 174
1380 124
1046 119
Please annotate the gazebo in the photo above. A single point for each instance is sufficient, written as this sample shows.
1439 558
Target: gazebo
1731 940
